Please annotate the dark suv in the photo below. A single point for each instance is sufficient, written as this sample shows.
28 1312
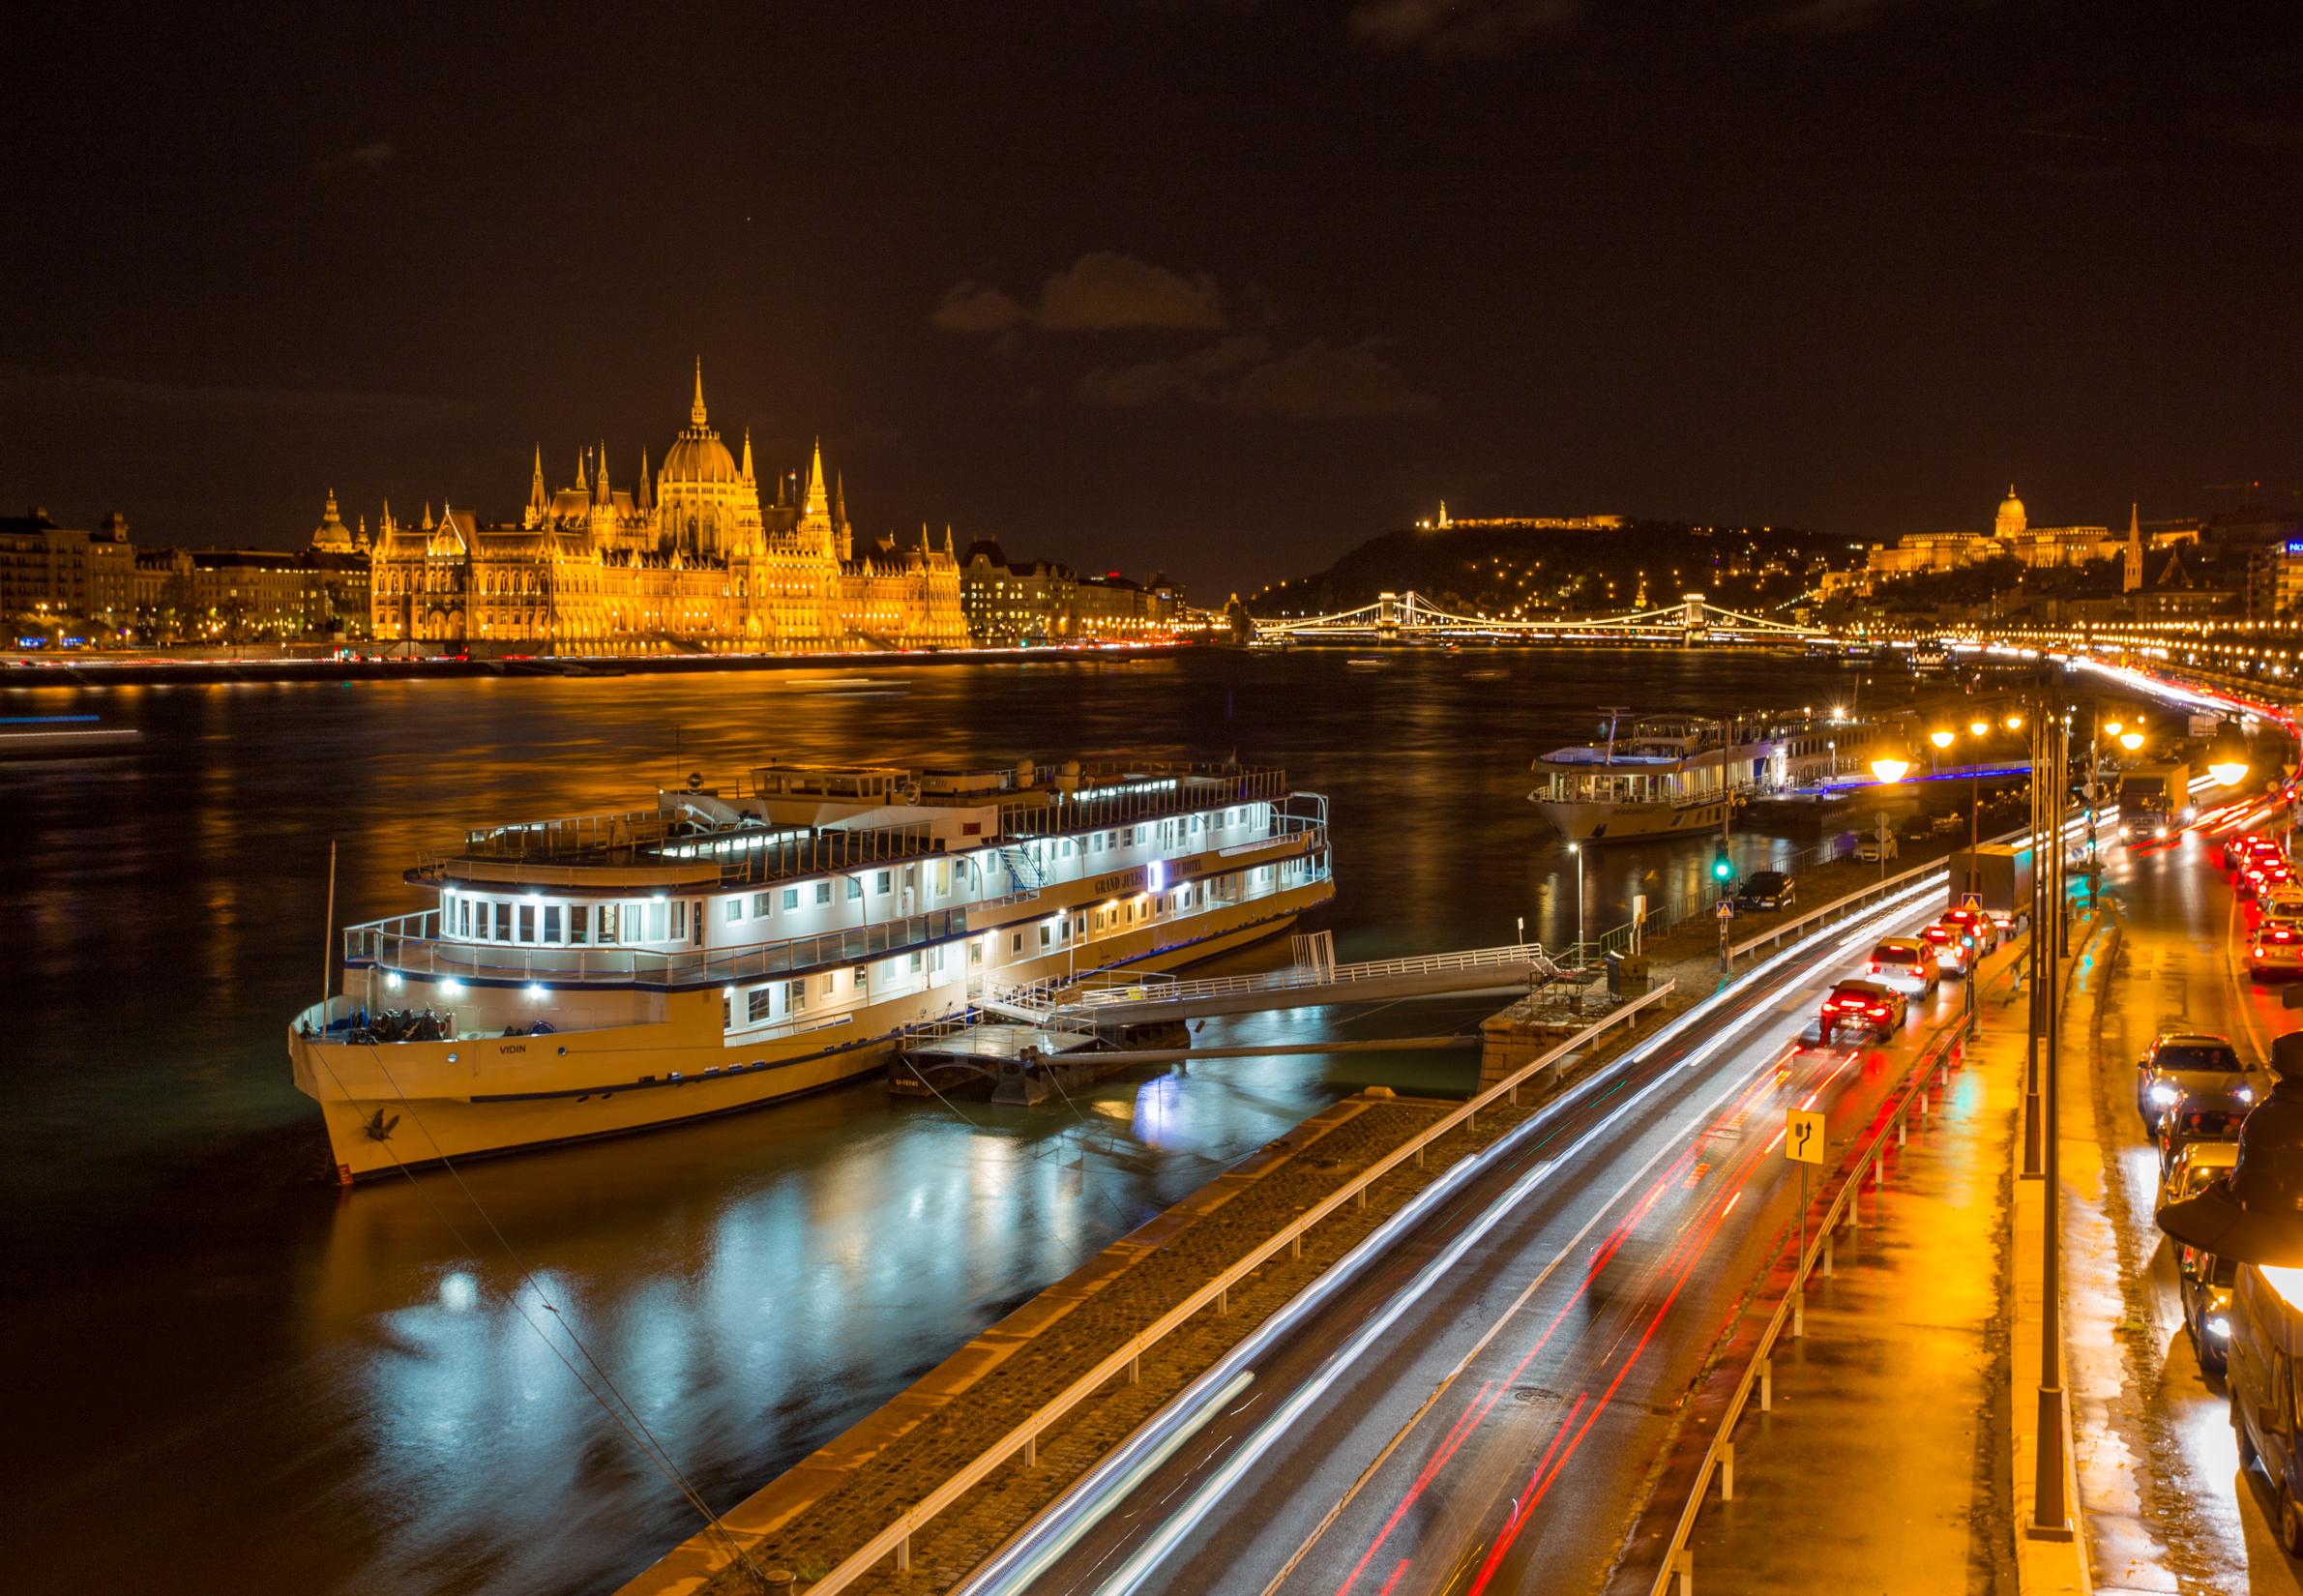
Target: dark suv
1768 888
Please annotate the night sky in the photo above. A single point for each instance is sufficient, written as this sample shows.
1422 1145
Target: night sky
1219 287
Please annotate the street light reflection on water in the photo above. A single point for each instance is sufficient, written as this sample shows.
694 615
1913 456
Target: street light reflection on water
363 1393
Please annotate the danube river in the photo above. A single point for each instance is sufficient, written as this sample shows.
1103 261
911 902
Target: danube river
231 1377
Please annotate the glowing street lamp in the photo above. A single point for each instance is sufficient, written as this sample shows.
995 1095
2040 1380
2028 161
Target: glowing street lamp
1941 737
2226 755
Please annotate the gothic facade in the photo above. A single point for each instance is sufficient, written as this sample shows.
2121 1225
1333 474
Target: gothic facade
691 556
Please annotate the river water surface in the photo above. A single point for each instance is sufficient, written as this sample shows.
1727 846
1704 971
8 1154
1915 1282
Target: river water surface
227 1377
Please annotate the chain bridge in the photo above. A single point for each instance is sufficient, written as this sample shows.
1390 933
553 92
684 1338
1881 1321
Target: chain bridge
1411 618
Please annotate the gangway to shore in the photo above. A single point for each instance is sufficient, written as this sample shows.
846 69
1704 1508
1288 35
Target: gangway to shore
1123 998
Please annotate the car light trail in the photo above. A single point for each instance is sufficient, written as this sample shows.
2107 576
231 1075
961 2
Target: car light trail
1476 1412
1110 1482
1511 1531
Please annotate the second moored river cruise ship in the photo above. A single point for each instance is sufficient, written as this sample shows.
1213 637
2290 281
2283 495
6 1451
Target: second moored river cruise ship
610 972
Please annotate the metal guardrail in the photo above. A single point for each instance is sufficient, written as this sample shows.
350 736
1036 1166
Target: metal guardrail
1297 977
1938 1055
1881 888
1023 1439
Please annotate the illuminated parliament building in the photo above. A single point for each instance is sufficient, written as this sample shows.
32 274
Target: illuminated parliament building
689 557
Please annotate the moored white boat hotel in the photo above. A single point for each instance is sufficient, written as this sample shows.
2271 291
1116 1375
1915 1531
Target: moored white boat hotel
604 974
1661 775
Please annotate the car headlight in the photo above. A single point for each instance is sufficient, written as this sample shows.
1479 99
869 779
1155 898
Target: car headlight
2245 1094
2220 1328
2162 1094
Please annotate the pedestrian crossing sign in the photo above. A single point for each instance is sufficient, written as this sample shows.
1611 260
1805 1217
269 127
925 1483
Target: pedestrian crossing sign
1972 900
1802 1136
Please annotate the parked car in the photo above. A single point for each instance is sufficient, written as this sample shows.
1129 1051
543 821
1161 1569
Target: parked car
1979 925
2260 875
2205 1283
2202 1164
1870 1007
2267 1344
1872 850
2244 846
2277 949
2212 1114
1768 888
1954 945
2177 1063
1906 963
2282 901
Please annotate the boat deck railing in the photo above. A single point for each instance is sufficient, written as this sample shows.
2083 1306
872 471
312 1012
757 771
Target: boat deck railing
1143 794
752 855
410 945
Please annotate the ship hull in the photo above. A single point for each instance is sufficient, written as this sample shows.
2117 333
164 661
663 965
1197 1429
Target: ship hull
406 1106
1600 822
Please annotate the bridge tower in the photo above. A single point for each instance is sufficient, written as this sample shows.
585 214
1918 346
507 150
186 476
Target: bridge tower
1388 613
1693 622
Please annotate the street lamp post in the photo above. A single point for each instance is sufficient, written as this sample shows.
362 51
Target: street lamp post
2051 749
1576 849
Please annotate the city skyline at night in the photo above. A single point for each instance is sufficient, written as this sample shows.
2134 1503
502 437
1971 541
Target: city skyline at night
1094 282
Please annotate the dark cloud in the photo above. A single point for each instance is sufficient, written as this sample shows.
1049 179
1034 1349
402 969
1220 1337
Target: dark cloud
976 307
1323 380
1447 29
1102 291
1190 377
1319 381
1105 291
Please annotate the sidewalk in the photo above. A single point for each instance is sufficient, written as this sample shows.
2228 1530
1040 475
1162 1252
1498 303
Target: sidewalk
1883 1465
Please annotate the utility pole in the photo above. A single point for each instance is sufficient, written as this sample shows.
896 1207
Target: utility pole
2050 1518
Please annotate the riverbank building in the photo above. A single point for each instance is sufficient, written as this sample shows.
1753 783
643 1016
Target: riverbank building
692 557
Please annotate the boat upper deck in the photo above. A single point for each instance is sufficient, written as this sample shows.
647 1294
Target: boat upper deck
803 821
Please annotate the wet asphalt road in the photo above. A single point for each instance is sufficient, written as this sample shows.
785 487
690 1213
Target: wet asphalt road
2169 1509
1481 1408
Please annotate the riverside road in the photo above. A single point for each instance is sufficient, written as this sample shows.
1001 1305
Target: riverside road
1480 1407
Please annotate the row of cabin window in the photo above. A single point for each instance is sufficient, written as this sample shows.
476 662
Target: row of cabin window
760 1003
1096 920
573 924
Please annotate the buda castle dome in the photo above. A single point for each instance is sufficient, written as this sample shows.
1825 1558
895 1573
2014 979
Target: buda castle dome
2012 523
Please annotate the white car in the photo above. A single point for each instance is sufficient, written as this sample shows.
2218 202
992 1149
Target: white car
1906 963
2195 1168
2284 901
1872 850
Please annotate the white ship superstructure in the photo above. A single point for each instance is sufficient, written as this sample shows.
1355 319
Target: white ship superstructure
1657 776
606 973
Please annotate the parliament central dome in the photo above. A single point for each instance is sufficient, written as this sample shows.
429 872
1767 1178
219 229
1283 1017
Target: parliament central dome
697 455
